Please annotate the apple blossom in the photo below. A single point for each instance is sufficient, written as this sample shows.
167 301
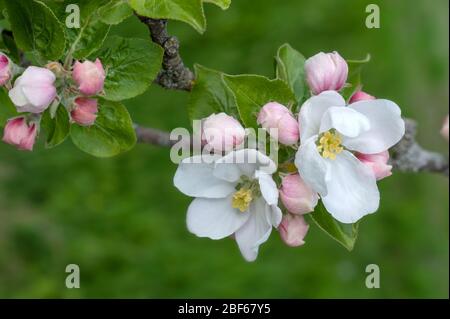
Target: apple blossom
296 196
378 163
85 111
444 129
293 229
5 69
326 71
222 132
34 90
330 132
89 76
360 96
20 134
234 195
273 115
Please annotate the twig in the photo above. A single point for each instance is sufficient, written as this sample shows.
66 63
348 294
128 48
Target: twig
174 75
406 156
153 136
409 156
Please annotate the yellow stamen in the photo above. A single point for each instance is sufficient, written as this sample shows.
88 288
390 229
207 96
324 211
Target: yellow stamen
330 145
242 199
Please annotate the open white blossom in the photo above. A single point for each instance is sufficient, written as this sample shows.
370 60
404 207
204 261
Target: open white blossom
235 194
330 132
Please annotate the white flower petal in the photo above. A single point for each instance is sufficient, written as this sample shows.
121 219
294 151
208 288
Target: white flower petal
345 120
194 177
275 215
214 218
312 166
386 127
243 162
34 76
40 96
268 188
312 111
352 189
18 97
255 231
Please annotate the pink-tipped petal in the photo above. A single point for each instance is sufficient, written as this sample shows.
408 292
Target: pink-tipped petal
325 72
293 229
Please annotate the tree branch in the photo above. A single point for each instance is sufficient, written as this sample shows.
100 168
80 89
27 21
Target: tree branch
174 75
409 156
153 136
406 156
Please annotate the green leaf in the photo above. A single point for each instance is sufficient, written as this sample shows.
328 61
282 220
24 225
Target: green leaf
57 129
189 11
354 82
112 133
223 4
36 28
115 11
210 95
87 39
7 108
10 44
345 234
131 66
251 92
290 67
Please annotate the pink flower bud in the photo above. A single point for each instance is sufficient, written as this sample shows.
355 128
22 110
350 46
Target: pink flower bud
85 111
5 69
222 132
89 76
284 126
33 91
296 196
18 133
326 71
444 129
361 96
293 229
378 163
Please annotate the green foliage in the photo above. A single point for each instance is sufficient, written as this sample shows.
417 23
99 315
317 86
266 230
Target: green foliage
36 28
9 45
131 65
7 108
115 11
189 11
57 128
223 4
290 67
210 95
251 92
345 234
87 39
111 134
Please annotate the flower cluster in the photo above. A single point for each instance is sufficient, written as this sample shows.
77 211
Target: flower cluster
37 89
340 151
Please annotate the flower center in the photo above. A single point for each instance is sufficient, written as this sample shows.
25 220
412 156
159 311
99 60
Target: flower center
246 190
329 144
242 199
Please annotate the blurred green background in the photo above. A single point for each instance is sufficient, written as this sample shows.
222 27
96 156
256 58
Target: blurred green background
122 221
